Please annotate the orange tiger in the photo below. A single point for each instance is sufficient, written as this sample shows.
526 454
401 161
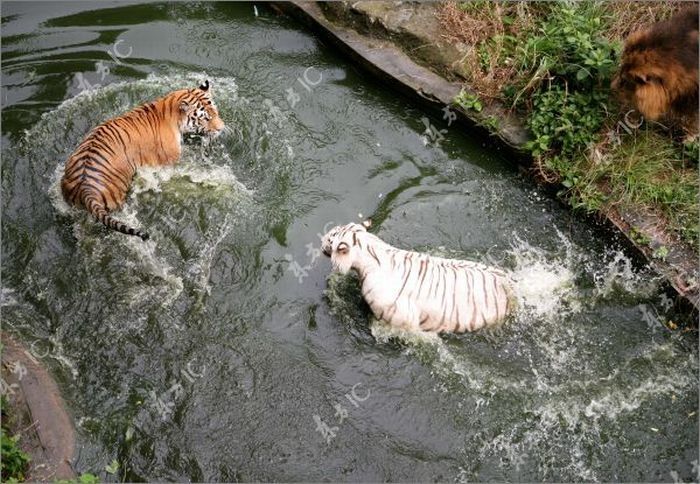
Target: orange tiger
98 174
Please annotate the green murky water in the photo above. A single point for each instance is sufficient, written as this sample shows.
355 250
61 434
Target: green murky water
220 349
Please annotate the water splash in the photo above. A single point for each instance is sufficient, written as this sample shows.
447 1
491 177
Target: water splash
550 283
618 277
55 195
543 284
384 332
201 270
154 178
566 426
7 297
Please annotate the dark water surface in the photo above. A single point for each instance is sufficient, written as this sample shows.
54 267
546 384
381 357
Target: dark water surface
219 349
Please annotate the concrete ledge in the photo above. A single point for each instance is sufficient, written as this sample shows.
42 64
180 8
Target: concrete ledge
388 63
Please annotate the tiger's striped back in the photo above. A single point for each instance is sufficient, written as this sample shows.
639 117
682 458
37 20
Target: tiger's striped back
98 174
417 291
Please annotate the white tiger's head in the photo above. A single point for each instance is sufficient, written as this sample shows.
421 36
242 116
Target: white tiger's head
341 245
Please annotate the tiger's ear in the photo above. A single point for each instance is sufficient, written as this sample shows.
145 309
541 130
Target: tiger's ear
184 106
205 85
367 223
342 248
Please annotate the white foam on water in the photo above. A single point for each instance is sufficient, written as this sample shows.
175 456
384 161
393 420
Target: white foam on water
549 294
545 284
82 421
120 326
201 270
542 283
223 88
384 332
55 194
7 297
589 407
421 343
142 258
620 398
153 178
473 375
619 275
626 400
167 293
59 355
145 259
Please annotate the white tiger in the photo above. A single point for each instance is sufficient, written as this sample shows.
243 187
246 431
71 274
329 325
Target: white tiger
418 292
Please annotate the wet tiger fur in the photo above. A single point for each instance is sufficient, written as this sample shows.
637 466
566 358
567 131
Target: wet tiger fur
418 292
98 174
659 71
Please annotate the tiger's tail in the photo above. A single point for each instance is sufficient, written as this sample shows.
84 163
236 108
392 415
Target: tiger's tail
92 203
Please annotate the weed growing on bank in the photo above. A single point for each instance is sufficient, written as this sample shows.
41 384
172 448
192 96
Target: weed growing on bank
14 462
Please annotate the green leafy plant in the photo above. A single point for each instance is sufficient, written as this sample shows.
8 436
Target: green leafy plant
571 66
660 253
691 150
492 123
469 101
113 467
562 122
81 479
639 237
13 461
568 46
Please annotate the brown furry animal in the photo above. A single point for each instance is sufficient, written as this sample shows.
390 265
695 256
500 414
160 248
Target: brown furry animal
659 71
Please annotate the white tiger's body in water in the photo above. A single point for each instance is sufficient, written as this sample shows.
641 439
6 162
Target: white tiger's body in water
418 292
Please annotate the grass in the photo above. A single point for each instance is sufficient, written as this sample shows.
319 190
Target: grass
553 63
486 27
482 27
646 170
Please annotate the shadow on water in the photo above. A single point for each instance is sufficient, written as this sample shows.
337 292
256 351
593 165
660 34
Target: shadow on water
222 350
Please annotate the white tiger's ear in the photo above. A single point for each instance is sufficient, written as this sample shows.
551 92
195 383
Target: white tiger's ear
367 223
184 106
342 248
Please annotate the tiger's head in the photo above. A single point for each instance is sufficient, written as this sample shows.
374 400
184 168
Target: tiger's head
340 244
198 113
